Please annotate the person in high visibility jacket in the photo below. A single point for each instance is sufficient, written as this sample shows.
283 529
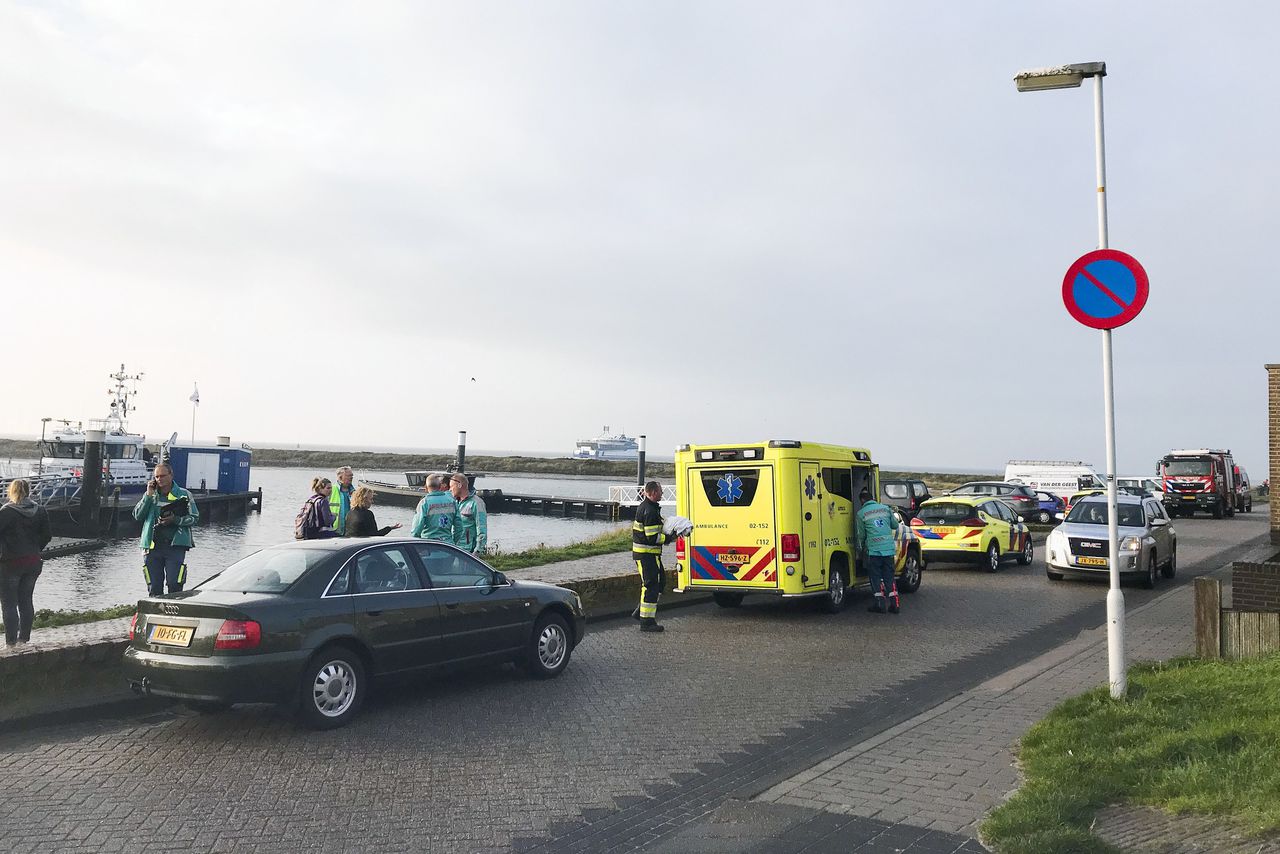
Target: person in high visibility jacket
647 540
472 530
166 531
437 515
340 499
874 530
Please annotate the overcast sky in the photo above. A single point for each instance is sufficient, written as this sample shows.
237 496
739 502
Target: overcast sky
700 221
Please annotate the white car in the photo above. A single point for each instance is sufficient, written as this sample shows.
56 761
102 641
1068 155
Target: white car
1148 542
1149 485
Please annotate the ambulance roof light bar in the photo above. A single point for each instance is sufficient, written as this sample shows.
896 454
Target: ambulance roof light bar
784 443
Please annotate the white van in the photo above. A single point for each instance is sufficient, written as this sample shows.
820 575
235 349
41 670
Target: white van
1149 486
1061 477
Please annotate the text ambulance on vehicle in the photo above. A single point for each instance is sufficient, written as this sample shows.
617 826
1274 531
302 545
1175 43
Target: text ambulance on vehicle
777 518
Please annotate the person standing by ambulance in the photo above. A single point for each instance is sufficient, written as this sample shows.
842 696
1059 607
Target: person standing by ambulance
647 540
874 529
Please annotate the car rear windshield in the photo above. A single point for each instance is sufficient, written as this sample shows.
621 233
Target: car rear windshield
1188 467
895 490
267 571
946 514
1095 513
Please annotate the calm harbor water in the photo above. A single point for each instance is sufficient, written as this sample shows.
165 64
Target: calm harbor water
113 575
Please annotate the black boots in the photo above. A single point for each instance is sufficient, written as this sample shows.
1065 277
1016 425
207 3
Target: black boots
649 624
877 607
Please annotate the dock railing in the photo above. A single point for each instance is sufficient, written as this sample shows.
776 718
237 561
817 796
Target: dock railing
631 495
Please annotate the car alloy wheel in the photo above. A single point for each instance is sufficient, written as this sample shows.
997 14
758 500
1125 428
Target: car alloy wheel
910 581
1028 553
1149 580
836 589
333 688
1044 517
549 647
1171 568
993 557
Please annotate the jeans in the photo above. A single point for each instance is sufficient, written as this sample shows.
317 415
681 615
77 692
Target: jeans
880 570
16 587
165 563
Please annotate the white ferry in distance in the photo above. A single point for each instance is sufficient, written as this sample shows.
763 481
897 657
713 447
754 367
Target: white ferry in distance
607 446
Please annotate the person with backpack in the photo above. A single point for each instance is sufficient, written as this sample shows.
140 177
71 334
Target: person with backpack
24 532
315 520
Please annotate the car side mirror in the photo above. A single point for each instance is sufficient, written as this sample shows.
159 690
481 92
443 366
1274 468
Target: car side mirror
499 579
1158 522
1060 516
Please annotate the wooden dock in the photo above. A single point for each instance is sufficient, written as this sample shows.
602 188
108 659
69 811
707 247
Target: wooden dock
115 518
497 501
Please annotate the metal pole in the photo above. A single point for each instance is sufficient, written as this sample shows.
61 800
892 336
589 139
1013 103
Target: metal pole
1116 667
91 482
640 465
193 423
461 461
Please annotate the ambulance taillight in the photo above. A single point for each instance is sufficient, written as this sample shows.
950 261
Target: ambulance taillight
790 547
679 548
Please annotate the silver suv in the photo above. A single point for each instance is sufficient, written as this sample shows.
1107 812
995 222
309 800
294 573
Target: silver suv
1148 542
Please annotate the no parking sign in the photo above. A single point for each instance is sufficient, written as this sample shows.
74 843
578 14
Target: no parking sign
1105 288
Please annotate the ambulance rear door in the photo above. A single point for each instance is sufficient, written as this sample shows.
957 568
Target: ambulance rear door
734 539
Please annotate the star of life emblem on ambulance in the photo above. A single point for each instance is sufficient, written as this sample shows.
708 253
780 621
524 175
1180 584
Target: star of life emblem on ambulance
730 488
810 487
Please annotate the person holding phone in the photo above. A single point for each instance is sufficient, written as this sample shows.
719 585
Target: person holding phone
167 513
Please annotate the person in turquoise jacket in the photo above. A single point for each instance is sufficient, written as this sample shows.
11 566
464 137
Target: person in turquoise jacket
874 529
472 529
166 534
437 514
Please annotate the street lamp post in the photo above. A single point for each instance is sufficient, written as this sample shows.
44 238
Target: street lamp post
1070 77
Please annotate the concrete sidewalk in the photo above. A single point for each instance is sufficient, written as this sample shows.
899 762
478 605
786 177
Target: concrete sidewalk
946 768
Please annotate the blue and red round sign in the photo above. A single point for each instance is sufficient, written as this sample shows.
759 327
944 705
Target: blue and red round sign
1105 288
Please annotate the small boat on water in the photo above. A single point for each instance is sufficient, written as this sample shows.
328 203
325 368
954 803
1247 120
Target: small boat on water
607 446
409 493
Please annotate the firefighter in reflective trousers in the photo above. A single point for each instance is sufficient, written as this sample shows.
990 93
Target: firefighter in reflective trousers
647 540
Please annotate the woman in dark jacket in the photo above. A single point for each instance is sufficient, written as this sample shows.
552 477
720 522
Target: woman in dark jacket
315 520
24 532
360 521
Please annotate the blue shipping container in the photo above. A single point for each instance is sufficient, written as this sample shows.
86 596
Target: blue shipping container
213 468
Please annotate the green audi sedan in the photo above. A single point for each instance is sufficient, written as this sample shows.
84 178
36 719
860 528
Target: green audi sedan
310 623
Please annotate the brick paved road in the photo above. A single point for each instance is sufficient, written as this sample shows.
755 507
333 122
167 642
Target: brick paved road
724 705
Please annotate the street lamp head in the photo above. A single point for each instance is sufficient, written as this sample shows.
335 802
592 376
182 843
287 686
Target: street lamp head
1058 77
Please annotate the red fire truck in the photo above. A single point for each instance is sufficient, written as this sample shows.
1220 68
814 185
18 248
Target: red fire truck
1199 479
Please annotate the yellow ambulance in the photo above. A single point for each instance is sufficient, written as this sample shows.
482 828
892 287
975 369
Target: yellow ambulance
777 517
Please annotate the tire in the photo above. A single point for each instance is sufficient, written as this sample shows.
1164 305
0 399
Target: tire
1044 517
1187 511
837 592
1217 510
912 573
1230 508
332 689
1170 569
1052 576
727 600
549 648
1149 579
991 563
1028 553
207 707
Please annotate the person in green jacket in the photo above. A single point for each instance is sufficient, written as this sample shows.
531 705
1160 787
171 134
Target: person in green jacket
167 513
340 499
437 515
874 529
472 531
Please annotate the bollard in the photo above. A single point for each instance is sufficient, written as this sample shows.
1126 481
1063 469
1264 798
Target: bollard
91 482
640 464
461 460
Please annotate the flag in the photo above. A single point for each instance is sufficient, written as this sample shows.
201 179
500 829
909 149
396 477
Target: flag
195 395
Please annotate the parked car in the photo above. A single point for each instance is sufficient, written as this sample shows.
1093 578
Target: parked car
310 623
1148 542
1050 506
1077 496
905 494
1144 487
982 527
1244 491
1021 498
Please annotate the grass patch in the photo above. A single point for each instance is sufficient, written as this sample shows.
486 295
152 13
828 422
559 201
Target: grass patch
49 619
614 541
1193 736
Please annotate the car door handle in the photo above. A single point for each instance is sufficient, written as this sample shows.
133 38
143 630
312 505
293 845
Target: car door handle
373 613
451 604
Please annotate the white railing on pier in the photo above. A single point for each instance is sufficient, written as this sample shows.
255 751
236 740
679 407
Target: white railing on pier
631 495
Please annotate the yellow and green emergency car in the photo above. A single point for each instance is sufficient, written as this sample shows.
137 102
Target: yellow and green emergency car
777 517
972 527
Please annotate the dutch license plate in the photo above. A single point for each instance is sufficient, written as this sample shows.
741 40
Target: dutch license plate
171 635
1091 561
943 529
